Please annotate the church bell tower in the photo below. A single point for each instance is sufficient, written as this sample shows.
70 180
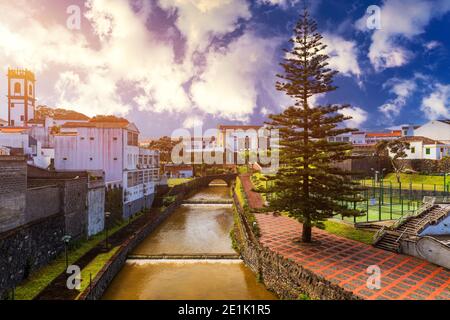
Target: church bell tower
21 97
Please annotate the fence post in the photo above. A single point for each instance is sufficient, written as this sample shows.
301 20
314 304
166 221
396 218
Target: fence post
390 200
367 205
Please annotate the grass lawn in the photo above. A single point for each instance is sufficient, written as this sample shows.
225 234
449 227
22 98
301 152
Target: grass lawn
94 267
347 231
374 211
176 181
41 278
240 192
416 180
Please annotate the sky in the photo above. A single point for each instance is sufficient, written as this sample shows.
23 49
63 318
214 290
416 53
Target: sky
167 64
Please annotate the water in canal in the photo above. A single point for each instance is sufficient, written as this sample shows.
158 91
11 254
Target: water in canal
191 229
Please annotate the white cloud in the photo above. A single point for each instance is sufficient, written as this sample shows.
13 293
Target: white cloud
228 87
282 3
400 20
359 116
432 45
200 20
437 104
402 89
128 58
343 55
192 122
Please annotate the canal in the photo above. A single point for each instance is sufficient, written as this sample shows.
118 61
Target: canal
190 230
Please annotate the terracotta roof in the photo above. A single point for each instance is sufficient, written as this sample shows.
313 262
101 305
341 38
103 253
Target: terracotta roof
12 130
424 140
237 127
74 116
107 125
36 121
66 134
395 133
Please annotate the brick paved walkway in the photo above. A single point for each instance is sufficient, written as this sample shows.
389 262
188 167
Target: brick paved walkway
344 262
255 200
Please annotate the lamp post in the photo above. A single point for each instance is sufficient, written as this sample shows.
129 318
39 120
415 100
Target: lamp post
382 185
445 184
107 215
66 239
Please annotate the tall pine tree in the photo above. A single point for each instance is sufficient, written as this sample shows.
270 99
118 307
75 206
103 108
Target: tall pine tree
308 185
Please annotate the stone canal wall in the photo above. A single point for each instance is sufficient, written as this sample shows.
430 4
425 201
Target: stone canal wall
27 248
280 275
103 279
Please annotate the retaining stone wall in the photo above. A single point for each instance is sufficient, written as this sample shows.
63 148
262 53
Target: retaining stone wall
280 275
27 248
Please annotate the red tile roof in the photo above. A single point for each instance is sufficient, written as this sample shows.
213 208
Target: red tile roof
12 130
237 127
424 140
107 125
395 133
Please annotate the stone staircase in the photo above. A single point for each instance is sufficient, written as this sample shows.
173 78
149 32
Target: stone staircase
389 242
410 227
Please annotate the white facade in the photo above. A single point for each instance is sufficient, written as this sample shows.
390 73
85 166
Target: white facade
437 130
113 148
14 138
91 148
21 97
421 148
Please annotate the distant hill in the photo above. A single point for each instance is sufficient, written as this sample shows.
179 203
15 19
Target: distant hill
58 114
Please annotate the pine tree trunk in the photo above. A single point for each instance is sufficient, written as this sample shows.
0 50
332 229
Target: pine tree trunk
306 232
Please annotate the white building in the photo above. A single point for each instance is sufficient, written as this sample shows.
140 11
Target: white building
437 130
426 148
21 97
352 137
18 140
111 146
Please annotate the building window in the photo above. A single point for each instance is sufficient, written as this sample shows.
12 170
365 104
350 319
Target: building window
132 139
91 159
427 151
30 90
91 138
81 138
22 118
17 88
64 159
12 123
413 150
115 159
12 105
115 138
247 143
442 150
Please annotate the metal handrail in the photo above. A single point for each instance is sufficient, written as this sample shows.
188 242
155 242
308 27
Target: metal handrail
415 213
379 234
